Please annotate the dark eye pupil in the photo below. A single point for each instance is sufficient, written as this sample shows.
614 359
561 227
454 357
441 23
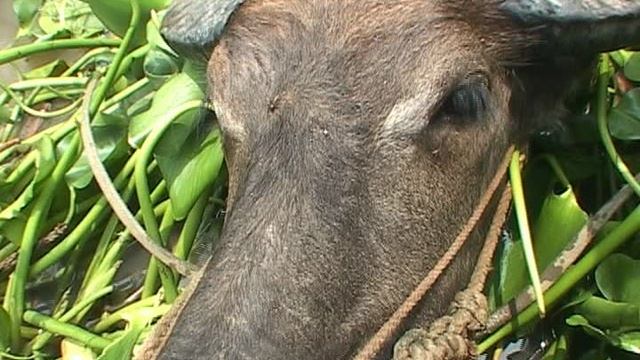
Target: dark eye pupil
467 102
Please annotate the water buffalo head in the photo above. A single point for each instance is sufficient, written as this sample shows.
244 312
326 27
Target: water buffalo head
359 134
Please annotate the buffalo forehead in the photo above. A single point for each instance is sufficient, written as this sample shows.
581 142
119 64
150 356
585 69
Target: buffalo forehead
338 59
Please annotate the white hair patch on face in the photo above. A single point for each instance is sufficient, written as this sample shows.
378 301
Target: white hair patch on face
402 118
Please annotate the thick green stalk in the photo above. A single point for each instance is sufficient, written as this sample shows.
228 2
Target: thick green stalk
31 235
626 230
71 331
84 227
190 228
19 52
42 339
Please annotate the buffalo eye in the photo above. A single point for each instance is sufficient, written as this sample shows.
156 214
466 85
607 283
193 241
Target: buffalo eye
466 103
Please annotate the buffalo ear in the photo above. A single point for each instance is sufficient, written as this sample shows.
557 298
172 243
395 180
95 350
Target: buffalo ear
192 27
583 26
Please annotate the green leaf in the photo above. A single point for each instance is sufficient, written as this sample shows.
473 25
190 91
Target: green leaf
45 163
632 67
53 68
558 350
160 66
559 220
109 132
122 348
26 11
630 342
189 164
609 314
72 16
618 278
624 118
177 90
581 321
116 14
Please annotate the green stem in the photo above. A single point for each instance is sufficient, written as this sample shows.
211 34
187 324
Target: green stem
190 228
108 321
626 230
101 91
6 251
42 339
19 52
151 277
71 331
84 227
142 187
604 74
30 237
523 225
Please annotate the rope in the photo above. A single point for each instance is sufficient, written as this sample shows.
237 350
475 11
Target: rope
386 332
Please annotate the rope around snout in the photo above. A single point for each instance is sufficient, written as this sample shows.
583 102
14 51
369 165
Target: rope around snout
389 328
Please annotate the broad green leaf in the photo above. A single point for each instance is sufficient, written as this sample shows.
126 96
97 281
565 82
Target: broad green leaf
122 348
559 220
110 135
189 164
609 314
116 14
632 67
176 91
618 278
624 118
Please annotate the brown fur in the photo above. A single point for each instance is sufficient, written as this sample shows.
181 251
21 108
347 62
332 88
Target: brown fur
348 177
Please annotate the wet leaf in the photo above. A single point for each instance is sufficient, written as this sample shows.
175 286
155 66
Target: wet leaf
618 278
624 118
